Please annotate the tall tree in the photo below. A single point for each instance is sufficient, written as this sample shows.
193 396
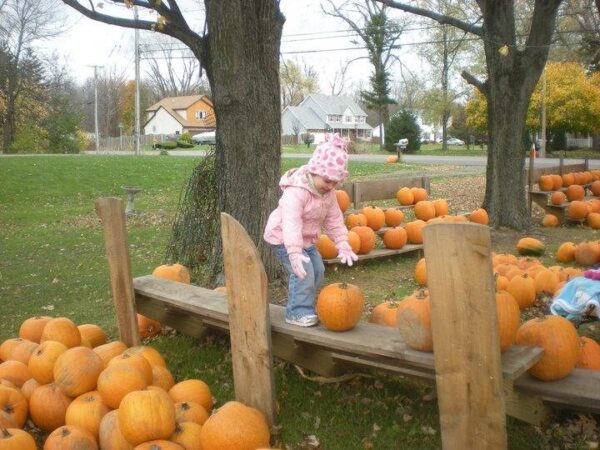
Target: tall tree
171 72
240 52
126 114
296 82
380 36
513 69
23 23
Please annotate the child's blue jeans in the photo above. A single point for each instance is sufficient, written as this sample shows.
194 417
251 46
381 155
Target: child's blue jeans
302 293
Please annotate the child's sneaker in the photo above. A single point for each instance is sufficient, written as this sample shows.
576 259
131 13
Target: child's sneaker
305 321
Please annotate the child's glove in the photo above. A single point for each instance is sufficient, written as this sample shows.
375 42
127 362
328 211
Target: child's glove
592 274
297 261
345 253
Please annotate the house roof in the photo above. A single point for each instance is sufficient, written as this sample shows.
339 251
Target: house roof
171 104
178 102
307 117
331 104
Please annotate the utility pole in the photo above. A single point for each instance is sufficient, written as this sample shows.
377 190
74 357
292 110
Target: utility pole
543 143
96 130
137 84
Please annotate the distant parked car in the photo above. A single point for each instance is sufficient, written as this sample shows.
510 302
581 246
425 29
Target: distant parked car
455 141
207 137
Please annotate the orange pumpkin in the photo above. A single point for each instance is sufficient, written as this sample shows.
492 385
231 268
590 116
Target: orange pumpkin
235 426
391 159
41 363
192 390
414 231
76 371
395 238
559 339
575 192
13 407
414 321
86 412
354 241
595 187
375 217
70 437
340 306
546 282
405 196
93 333
148 327
424 210
137 361
550 221
419 194
187 435
393 217
326 247
577 210
173 272
108 351
530 246
151 354
568 179
590 354
28 387
586 253
508 319
48 407
367 239
522 288
593 220
15 371
441 207
385 314
558 198
162 377
566 252
421 272
16 439
343 199
546 183
62 330
160 444
23 350
110 436
146 415
32 328
480 216
356 220
190 412
118 380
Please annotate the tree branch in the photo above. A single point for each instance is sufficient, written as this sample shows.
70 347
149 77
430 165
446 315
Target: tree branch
440 18
175 26
482 86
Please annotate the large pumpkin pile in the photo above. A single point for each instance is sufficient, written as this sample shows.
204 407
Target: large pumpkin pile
570 188
88 393
388 223
520 282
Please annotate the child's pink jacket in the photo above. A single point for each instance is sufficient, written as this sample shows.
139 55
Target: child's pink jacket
297 220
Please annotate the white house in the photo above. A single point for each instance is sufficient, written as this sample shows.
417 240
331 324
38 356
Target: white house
176 115
318 114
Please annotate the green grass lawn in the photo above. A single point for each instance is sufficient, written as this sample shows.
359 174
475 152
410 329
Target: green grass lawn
53 263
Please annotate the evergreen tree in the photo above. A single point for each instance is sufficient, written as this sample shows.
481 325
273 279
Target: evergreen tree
403 125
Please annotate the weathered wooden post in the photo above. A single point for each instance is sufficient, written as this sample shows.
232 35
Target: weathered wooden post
110 211
249 319
465 336
530 175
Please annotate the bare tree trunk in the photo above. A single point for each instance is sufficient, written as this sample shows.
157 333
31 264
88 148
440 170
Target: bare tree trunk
243 71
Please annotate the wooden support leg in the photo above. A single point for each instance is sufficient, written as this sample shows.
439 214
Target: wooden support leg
306 356
465 336
112 216
249 319
526 407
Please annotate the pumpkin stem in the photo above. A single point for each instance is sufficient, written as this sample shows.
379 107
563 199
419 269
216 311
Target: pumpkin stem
5 433
64 432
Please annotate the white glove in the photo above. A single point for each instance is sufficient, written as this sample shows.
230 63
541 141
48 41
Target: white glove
297 261
345 253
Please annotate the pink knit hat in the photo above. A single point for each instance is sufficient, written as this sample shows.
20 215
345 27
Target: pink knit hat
330 158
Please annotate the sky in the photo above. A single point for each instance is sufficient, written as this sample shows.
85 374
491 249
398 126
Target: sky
309 37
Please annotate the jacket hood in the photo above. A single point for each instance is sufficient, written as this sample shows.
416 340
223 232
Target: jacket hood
295 177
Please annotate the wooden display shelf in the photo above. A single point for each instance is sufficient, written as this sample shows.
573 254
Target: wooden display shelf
541 198
381 253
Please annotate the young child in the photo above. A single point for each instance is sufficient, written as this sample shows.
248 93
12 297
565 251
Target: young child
307 203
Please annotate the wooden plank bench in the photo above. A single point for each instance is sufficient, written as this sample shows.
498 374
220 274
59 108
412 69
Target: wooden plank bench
381 189
542 199
381 253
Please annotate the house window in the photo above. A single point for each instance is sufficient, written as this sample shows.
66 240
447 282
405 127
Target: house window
200 115
348 119
334 118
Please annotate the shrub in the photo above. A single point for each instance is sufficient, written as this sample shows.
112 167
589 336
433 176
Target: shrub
308 138
184 144
185 137
403 125
168 145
